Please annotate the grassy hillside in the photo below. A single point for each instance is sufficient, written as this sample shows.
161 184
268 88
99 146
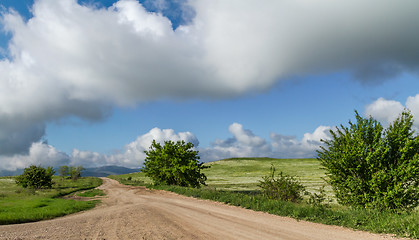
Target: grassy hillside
18 205
245 173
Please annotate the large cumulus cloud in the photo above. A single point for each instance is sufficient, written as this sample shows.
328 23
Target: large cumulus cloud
79 60
388 110
245 143
132 155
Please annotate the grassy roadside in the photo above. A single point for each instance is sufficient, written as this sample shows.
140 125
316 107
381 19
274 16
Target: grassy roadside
234 181
18 205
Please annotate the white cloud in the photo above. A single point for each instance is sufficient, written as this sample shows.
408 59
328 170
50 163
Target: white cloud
290 147
412 103
39 154
131 156
245 144
133 153
388 110
79 60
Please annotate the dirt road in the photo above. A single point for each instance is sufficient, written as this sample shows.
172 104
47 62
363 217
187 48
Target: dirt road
139 213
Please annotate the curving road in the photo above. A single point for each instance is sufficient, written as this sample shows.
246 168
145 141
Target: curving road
138 213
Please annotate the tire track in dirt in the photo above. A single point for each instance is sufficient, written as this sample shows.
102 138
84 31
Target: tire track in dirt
138 213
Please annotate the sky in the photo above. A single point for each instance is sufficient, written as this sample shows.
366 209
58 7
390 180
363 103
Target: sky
93 82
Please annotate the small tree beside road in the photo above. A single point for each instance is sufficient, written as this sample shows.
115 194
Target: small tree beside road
174 164
36 177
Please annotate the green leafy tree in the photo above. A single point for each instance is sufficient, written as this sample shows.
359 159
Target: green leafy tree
174 164
64 171
372 167
75 172
36 177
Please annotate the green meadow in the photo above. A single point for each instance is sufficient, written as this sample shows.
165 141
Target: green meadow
244 174
19 205
235 181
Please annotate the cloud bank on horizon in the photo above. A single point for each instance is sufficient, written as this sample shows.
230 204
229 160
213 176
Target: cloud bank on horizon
79 60
243 144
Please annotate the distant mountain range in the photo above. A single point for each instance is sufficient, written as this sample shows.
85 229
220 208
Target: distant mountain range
88 172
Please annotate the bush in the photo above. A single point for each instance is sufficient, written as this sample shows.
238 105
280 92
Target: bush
75 172
36 177
284 187
174 164
64 171
372 167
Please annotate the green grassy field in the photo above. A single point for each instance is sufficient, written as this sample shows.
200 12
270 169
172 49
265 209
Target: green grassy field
244 174
234 181
19 205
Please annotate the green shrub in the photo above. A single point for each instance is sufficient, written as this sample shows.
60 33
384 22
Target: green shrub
372 167
64 171
174 164
36 177
75 172
284 187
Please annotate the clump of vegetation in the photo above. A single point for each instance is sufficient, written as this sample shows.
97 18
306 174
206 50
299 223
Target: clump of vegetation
372 167
36 177
283 187
73 172
63 171
174 164
92 193
319 198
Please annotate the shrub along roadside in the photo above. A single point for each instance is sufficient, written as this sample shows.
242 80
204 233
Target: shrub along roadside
402 224
372 167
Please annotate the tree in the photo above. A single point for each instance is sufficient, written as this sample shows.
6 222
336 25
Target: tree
174 164
372 167
36 177
64 171
75 172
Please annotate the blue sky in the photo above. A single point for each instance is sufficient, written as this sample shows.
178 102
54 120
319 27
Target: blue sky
92 82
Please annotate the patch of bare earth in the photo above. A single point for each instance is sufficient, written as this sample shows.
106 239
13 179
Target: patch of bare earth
138 213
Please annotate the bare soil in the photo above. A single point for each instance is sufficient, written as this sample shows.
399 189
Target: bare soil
139 213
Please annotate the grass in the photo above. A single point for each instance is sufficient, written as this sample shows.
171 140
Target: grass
19 205
234 181
244 174
91 193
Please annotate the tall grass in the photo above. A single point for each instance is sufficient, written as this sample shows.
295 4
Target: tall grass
18 205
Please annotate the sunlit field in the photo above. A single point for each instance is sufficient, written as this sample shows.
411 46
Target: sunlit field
19 205
244 174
